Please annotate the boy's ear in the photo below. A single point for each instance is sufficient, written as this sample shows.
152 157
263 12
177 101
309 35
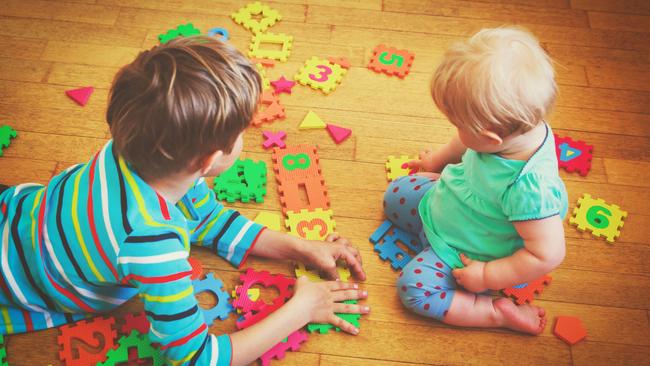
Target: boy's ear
494 138
210 160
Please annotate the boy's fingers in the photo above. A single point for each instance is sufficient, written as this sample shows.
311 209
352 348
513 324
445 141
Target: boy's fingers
353 263
344 325
341 285
331 273
343 295
332 237
342 308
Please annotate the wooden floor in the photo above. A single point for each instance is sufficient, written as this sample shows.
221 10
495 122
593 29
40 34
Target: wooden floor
602 50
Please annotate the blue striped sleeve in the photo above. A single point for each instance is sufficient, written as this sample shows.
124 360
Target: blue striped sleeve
225 231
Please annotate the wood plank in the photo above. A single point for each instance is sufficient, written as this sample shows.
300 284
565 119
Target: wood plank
53 120
23 70
597 56
24 170
622 22
507 13
21 48
73 74
562 4
87 53
47 147
63 31
50 96
621 6
329 360
612 122
627 172
596 353
615 78
83 13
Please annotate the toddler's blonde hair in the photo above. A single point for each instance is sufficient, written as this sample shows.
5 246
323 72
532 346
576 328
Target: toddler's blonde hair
499 80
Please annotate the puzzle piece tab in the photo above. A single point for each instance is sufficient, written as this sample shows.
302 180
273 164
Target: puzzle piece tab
278 351
391 61
214 285
311 225
398 167
525 293
573 155
183 30
600 218
320 74
6 134
284 41
246 17
244 181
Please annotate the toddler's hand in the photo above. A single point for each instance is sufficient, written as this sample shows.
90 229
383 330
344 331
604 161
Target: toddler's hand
427 162
323 255
322 299
472 277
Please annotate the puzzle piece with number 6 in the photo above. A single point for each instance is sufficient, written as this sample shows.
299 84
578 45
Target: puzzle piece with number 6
525 293
600 218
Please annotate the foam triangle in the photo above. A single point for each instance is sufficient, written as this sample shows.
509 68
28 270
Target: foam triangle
80 95
339 134
568 153
312 122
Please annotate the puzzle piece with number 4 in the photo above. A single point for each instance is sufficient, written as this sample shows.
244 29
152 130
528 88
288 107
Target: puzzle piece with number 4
320 74
600 218
573 155
90 333
525 293
398 167
245 181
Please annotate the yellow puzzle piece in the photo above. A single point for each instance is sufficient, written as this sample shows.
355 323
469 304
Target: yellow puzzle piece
266 83
301 270
245 17
394 167
600 218
320 74
282 39
310 225
271 220
312 122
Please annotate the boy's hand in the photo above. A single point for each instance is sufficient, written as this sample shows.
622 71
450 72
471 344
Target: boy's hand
322 299
323 255
472 276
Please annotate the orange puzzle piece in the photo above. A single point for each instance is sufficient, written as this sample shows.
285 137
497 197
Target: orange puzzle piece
90 333
569 329
391 61
526 293
274 109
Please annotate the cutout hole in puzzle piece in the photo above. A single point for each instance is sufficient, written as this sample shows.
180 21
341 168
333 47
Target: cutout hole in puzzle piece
391 61
222 32
265 45
320 74
221 309
256 17
395 245
598 217
258 310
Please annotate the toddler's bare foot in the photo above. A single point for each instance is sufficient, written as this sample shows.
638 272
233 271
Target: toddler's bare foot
523 318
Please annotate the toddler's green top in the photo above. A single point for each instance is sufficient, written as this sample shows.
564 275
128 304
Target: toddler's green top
472 208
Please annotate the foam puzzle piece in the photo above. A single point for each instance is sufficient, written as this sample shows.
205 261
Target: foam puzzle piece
313 276
250 278
183 30
244 181
120 354
320 74
284 41
80 95
223 32
274 109
573 155
391 61
600 218
214 285
525 293
3 352
312 122
278 351
135 321
569 329
338 133
270 220
89 332
197 268
386 239
282 85
398 166
253 295
246 17
390 251
274 139
265 62
266 83
6 134
324 328
310 225
341 61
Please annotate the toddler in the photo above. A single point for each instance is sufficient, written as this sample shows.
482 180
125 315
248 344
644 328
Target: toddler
121 224
492 218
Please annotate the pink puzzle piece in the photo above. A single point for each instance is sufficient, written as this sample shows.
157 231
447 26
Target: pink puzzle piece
273 138
283 85
80 95
339 134
278 351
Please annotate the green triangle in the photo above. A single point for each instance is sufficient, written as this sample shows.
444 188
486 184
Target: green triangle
311 122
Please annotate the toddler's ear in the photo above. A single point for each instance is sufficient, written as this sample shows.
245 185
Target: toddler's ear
493 137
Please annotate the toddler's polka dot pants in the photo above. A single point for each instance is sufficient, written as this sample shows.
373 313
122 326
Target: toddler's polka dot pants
425 285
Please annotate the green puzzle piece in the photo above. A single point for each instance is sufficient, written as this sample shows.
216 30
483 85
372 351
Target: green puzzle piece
3 352
120 354
324 328
244 181
6 134
183 30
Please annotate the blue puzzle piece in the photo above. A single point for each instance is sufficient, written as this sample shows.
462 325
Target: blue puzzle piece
380 232
388 250
220 31
568 153
410 240
214 285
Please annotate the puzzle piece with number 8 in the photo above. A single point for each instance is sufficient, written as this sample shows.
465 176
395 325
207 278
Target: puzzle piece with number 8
600 218
320 74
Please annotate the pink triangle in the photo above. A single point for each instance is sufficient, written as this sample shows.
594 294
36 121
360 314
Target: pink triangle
339 134
80 95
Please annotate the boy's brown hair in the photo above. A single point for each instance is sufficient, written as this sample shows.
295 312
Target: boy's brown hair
178 102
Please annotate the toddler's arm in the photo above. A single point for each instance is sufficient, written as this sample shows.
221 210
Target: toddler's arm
435 161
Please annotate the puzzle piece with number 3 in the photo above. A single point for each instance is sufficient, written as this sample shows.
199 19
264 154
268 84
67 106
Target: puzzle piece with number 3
320 74
600 218
311 225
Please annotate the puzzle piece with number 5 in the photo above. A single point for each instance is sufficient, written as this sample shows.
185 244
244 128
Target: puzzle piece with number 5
320 74
310 225
391 61
573 155
526 293
600 218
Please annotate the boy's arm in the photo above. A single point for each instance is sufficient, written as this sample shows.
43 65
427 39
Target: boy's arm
434 161
544 250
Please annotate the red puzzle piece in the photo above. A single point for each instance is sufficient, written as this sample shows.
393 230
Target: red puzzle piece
292 344
90 333
282 283
341 61
573 155
526 294
197 272
136 321
391 61
569 329
81 95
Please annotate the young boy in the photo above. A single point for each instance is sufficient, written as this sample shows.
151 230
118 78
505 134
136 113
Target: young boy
121 225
